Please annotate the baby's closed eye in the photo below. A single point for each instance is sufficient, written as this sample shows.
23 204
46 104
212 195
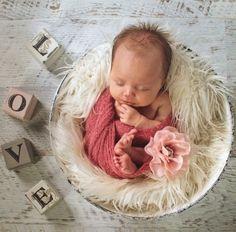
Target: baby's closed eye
142 88
119 83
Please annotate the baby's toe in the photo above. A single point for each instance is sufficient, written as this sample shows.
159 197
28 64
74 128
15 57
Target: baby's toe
117 165
116 159
131 137
126 141
118 151
123 160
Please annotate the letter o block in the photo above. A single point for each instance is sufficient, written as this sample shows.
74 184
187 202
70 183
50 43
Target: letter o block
20 104
43 196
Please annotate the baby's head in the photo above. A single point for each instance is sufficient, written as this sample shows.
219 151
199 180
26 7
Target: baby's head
141 58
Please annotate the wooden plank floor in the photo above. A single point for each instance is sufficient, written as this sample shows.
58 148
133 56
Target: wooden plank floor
207 27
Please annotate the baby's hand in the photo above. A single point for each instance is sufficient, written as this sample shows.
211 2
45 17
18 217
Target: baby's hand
128 114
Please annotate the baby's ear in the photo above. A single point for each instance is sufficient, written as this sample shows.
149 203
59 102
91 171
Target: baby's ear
164 86
109 79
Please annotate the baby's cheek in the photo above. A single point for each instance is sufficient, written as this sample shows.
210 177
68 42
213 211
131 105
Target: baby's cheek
111 88
113 92
147 99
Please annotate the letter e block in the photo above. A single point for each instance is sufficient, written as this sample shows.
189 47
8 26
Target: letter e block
20 104
43 196
17 153
45 48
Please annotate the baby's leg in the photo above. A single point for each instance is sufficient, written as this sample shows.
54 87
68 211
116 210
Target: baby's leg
123 151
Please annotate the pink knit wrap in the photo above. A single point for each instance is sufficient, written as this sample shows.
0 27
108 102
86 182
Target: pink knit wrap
102 131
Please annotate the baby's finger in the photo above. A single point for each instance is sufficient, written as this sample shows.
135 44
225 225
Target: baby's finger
132 131
122 109
119 113
126 107
122 115
117 103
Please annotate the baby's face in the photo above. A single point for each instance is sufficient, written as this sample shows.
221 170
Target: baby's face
136 77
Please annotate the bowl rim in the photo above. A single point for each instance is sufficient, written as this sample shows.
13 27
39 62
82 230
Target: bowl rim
210 184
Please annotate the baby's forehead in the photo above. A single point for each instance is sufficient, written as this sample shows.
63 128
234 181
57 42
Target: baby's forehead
141 42
140 46
139 51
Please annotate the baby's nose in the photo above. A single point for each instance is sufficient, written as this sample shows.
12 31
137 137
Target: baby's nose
129 92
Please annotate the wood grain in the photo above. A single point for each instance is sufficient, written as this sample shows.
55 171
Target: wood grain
207 27
74 211
26 9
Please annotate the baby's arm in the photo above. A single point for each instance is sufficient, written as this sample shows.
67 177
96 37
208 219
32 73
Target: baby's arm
145 122
132 117
164 109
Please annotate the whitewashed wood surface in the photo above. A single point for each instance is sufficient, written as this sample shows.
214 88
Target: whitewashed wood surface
207 27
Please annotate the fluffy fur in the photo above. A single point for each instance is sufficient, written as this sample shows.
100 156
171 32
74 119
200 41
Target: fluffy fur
200 107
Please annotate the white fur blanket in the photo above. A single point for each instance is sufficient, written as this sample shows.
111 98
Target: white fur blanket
201 108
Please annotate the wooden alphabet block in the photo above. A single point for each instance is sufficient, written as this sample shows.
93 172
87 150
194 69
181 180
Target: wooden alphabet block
43 196
17 153
20 104
45 48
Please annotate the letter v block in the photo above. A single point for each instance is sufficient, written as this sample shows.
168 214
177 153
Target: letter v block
20 104
45 48
17 153
43 196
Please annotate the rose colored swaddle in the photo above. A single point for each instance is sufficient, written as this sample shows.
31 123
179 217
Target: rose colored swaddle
102 131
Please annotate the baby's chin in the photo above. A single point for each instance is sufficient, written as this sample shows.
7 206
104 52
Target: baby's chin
132 104
135 105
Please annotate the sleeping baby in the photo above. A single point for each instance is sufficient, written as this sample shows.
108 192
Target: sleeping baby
141 59
134 106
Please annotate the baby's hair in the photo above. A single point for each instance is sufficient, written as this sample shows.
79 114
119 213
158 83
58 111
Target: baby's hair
144 35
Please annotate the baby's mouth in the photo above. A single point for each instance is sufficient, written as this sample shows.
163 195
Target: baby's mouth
127 103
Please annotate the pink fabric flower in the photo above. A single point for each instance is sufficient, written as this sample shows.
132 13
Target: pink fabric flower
170 151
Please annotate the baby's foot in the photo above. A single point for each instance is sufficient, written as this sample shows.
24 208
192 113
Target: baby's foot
125 164
122 151
125 142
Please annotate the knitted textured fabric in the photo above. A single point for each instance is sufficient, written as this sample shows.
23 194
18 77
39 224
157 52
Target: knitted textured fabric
103 129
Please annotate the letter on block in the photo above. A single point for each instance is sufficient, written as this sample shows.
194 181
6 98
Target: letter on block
43 196
18 153
45 48
20 104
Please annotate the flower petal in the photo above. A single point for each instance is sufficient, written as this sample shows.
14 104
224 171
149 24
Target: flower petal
165 152
175 164
179 147
163 136
158 170
170 129
164 161
156 159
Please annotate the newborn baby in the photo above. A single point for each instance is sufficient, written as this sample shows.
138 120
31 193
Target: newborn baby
141 58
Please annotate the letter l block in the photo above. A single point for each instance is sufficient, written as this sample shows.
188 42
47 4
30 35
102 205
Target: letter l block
45 48
43 196
20 104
